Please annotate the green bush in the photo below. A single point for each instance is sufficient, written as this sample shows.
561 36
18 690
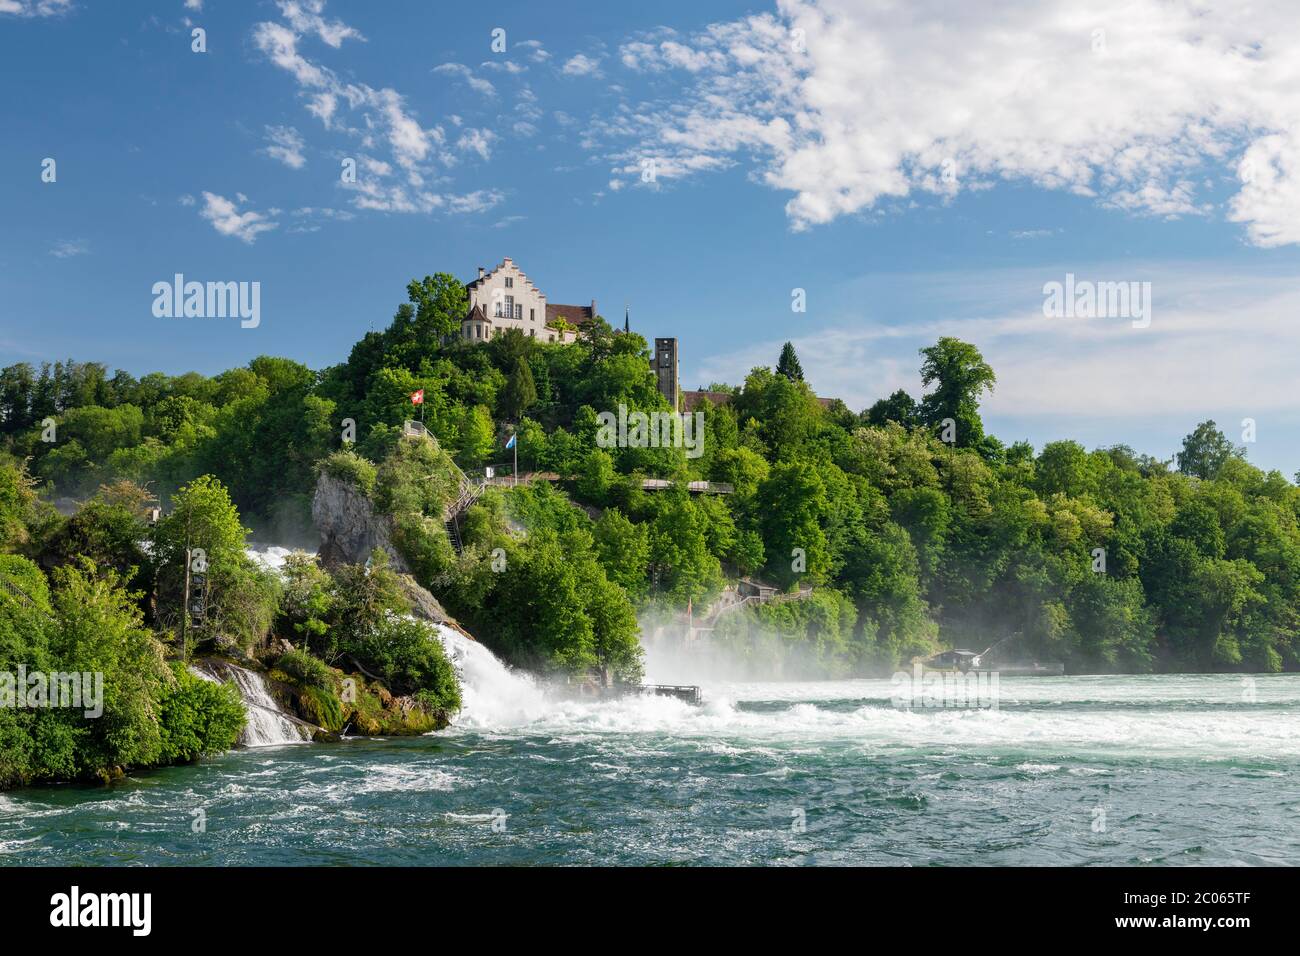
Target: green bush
306 670
322 707
198 718
408 656
349 466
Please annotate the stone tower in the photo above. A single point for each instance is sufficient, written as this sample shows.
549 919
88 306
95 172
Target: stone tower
664 363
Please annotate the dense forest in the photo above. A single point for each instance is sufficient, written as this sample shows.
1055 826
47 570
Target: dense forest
903 528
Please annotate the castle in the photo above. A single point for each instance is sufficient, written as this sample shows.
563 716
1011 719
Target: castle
505 298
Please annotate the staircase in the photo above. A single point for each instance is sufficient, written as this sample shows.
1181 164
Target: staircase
469 493
469 490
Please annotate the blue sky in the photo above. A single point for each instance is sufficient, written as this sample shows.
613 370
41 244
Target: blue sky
914 175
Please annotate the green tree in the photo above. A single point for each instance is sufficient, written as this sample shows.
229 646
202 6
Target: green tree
520 393
1206 451
898 407
788 364
960 376
440 304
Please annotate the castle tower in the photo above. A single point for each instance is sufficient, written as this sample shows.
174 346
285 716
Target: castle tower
664 363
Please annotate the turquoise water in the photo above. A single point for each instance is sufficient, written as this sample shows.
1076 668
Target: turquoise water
1192 770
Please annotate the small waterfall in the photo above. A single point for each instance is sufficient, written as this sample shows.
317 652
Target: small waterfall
267 726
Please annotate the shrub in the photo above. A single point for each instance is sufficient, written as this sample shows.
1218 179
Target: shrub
198 718
306 670
349 466
408 656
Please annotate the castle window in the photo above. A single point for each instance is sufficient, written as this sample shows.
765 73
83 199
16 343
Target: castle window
510 282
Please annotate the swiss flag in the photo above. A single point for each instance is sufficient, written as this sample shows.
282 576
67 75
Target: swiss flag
417 398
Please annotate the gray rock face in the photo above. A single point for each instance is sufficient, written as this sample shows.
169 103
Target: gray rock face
349 528
423 604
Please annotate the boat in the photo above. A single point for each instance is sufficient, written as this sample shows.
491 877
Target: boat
962 661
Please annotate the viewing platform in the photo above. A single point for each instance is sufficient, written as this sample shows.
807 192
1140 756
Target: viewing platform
687 693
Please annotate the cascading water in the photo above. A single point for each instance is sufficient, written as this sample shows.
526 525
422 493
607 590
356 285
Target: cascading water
270 557
496 698
267 725
492 695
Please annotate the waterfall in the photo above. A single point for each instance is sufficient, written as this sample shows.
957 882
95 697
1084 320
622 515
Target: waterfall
492 695
267 726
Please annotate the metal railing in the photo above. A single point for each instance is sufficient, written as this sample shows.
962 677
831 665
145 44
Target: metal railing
21 596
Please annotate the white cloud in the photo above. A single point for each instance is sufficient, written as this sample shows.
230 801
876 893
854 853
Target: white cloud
305 16
365 113
412 156
67 248
582 65
477 141
35 8
848 104
534 50
476 83
397 197
286 146
481 200
229 221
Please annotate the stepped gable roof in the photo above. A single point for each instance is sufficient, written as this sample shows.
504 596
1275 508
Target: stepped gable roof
528 283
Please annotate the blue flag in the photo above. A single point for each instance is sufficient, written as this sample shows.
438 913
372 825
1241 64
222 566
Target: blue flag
511 443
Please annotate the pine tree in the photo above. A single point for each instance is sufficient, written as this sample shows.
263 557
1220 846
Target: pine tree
788 365
521 391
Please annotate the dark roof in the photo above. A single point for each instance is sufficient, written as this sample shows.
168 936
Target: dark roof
573 314
477 313
693 400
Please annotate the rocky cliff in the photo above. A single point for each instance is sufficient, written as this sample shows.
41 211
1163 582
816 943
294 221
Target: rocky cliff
350 529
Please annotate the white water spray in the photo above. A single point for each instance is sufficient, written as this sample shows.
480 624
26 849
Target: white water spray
492 695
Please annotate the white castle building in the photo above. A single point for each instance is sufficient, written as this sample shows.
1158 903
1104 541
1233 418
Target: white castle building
505 298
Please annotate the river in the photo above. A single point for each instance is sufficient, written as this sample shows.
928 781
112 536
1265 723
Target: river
1159 770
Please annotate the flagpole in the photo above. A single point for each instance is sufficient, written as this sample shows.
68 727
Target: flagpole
516 444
